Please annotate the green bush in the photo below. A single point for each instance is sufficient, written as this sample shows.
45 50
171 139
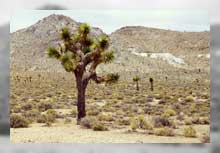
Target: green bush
105 117
16 109
93 112
51 115
123 121
27 106
169 112
188 121
140 120
33 114
74 112
189 132
99 126
67 120
147 125
18 121
133 124
189 99
164 132
44 106
42 118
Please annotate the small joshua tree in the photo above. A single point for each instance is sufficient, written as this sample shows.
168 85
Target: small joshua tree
137 79
151 84
80 55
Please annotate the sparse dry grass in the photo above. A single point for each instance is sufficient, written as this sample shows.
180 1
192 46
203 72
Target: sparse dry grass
117 107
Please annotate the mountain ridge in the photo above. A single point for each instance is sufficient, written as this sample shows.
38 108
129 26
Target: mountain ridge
33 40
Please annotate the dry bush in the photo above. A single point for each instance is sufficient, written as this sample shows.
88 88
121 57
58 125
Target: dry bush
74 112
99 126
133 124
44 106
205 138
161 122
18 121
164 132
42 118
190 132
169 112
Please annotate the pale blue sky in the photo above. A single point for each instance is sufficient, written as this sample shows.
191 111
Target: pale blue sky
111 20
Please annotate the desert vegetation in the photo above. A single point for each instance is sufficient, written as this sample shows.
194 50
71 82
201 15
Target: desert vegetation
168 111
46 106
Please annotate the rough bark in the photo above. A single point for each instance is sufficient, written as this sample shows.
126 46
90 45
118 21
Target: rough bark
81 91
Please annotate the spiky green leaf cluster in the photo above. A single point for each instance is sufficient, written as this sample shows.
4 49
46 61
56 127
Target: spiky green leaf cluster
103 42
69 61
112 78
53 53
136 79
65 34
84 29
108 57
83 43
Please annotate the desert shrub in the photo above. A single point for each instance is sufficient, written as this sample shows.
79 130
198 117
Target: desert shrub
51 115
189 99
16 109
189 132
42 119
205 138
27 106
87 122
99 126
119 112
140 120
93 112
181 116
133 124
161 122
147 125
188 121
74 112
169 112
123 121
67 120
196 120
44 106
158 96
164 132
193 108
18 121
204 120
32 114
105 117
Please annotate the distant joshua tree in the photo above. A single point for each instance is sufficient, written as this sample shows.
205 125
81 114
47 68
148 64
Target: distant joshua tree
137 79
151 80
80 54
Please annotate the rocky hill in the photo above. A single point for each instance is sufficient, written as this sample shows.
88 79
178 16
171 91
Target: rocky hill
137 48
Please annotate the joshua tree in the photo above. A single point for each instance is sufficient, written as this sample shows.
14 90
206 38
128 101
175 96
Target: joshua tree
151 84
137 79
80 55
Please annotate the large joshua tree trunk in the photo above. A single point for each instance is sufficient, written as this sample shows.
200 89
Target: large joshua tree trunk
81 90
